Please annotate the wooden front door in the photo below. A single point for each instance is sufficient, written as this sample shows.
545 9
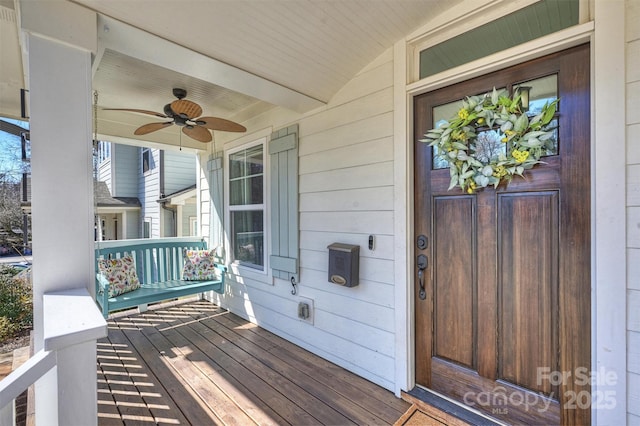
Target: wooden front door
504 322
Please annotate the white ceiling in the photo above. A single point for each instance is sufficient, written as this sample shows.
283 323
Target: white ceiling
234 57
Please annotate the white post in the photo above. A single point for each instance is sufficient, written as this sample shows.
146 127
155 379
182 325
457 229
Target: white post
61 37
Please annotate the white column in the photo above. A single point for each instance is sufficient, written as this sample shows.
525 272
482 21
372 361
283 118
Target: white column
60 37
609 297
125 229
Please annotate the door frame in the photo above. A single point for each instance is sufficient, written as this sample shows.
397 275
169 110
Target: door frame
608 195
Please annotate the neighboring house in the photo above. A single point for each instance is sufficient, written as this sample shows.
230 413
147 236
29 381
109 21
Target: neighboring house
457 292
163 183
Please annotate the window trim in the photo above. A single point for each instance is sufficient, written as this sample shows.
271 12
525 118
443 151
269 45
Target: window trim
142 154
246 269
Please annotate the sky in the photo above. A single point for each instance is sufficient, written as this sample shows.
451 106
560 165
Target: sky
10 150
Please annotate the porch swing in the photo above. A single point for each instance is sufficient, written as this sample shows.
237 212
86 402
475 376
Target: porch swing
136 273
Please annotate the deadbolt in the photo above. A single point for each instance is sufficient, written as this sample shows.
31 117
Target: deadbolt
422 242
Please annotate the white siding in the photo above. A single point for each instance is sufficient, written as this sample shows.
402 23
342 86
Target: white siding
633 210
346 194
125 162
188 210
133 225
149 192
104 173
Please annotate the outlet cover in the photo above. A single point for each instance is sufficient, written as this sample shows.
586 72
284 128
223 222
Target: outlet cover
305 310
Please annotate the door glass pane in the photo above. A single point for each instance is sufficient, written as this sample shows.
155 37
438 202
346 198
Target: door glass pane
441 114
542 91
488 143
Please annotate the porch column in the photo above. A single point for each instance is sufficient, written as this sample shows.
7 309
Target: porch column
60 38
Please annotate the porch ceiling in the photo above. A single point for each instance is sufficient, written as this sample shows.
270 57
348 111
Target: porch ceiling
235 58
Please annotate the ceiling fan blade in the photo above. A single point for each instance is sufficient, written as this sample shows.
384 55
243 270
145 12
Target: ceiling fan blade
188 108
141 111
151 127
198 133
215 123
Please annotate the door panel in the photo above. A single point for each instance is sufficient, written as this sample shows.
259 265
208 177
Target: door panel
508 273
453 293
528 300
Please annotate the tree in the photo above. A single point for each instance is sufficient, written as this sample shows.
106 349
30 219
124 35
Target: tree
12 171
10 213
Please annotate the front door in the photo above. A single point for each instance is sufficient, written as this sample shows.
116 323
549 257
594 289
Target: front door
503 324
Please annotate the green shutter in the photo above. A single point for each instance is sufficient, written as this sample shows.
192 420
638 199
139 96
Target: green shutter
283 151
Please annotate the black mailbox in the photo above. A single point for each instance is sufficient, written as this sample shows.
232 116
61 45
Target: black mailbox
344 264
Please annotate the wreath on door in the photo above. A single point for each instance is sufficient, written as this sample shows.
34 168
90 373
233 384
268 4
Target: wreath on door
491 140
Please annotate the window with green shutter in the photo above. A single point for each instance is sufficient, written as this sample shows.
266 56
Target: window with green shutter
283 151
246 206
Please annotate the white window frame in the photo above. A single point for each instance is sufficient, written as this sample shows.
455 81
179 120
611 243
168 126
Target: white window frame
148 220
237 267
142 154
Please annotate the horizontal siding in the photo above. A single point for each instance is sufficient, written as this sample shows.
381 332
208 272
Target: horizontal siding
352 133
358 199
632 29
633 398
633 144
370 152
367 176
345 195
179 171
149 193
126 163
133 225
319 241
633 343
104 173
633 185
188 210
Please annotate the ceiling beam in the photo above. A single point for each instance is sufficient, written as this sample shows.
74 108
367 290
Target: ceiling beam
133 42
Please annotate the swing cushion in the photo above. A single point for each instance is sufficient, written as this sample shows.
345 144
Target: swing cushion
119 273
200 265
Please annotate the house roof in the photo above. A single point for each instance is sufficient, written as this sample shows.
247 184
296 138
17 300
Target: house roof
180 196
104 198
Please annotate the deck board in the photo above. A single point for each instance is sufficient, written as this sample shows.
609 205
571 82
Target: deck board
194 363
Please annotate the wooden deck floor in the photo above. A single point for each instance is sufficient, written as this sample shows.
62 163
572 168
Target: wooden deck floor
194 363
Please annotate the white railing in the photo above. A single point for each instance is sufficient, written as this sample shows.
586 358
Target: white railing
72 324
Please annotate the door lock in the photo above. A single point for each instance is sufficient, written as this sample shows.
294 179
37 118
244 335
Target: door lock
422 242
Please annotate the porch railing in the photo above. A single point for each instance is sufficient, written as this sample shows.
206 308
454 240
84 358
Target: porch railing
72 324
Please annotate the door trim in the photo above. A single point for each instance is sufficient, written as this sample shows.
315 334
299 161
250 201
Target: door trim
609 33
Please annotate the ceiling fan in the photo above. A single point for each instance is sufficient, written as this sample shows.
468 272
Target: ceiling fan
185 113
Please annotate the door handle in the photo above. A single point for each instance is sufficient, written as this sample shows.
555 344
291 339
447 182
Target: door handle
422 264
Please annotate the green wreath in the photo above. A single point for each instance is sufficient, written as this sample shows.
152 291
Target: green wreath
465 143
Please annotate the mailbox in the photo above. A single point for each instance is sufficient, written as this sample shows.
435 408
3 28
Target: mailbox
344 264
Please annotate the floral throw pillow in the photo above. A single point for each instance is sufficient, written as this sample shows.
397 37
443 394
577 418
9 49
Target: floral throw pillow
199 265
120 273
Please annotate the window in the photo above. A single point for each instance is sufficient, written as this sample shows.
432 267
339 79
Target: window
146 228
146 160
531 22
246 206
